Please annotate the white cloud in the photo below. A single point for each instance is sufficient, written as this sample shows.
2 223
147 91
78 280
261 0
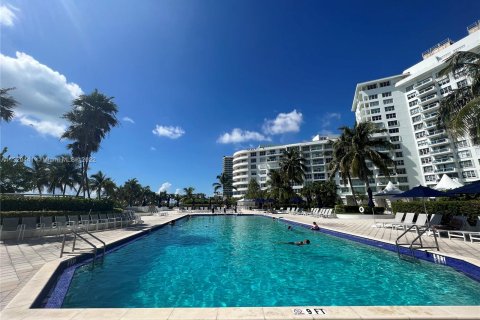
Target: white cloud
239 135
169 132
153 149
7 16
283 123
164 187
128 119
178 191
326 122
44 94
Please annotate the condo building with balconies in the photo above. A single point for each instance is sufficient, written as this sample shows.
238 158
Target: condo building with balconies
407 105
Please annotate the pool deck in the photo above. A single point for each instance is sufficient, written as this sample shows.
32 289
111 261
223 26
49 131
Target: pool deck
25 268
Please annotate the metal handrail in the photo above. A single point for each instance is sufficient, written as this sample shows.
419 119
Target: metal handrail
77 234
418 237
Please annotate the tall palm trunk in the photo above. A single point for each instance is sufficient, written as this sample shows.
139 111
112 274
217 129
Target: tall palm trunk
351 187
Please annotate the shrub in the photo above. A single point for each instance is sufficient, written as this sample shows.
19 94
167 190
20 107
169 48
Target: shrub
340 208
469 208
9 203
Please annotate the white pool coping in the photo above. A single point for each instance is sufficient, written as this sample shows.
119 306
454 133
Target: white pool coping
20 308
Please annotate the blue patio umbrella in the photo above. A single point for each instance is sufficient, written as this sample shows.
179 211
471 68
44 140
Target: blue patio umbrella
422 192
472 188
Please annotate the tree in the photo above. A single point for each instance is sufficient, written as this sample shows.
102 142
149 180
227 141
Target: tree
325 193
110 188
224 182
188 193
292 166
7 104
341 160
278 186
91 119
253 190
40 173
15 175
98 182
459 111
365 148
132 192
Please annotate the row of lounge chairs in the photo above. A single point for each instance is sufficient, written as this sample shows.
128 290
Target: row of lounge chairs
58 224
459 229
315 212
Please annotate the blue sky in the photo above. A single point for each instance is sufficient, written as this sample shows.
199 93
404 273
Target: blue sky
196 80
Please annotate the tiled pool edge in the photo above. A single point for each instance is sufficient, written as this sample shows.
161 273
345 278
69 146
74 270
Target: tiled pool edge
469 269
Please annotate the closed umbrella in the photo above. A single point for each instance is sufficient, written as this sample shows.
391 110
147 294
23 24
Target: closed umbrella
447 183
371 204
472 188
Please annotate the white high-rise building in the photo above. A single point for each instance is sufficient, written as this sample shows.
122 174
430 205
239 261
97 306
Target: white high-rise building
407 105
256 163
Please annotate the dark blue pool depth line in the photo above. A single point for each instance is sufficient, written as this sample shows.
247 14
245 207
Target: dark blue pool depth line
54 294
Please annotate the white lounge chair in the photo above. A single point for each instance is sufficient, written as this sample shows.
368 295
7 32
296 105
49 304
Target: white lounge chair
407 222
388 222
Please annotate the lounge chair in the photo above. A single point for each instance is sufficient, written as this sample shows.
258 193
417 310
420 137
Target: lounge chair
388 222
29 224
103 219
466 231
60 223
11 224
407 222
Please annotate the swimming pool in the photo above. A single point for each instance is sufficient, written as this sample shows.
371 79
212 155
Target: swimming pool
229 261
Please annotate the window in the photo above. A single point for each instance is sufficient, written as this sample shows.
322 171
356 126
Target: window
372 97
461 84
391 115
263 171
253 160
418 126
263 178
253 166
376 118
253 154
317 161
395 139
320 176
372 86
397 146
466 164
395 130
305 148
416 119
446 90
253 173
469 174
422 143
411 95
464 154
428 169
384 84
387 101
414 111
413 103
399 162
401 171
430 178
443 81
393 123
420 134
374 103
318 169
426 160
308 176
424 151
386 94
409 88
262 160
389 108
402 179
375 110
262 153
398 154
461 144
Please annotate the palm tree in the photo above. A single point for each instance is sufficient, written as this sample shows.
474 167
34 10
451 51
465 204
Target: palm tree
98 182
292 165
54 176
365 148
40 172
278 186
67 171
188 193
460 110
341 158
224 182
7 104
109 188
132 191
91 119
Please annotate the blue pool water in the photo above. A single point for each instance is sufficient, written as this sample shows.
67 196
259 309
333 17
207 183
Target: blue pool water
238 261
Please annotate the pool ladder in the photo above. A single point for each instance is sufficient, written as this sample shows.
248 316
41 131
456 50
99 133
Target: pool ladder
76 234
414 242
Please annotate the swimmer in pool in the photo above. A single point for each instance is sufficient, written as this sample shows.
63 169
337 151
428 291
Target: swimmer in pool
298 243
315 226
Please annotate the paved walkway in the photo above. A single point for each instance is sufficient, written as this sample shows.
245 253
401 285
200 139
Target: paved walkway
20 261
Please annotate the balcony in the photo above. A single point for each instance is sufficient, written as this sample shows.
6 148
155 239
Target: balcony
439 141
241 169
239 164
431 125
428 99
431 115
425 91
444 160
433 133
442 170
423 83
440 150
431 106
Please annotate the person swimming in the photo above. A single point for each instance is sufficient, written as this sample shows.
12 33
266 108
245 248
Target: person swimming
298 243
315 226
289 228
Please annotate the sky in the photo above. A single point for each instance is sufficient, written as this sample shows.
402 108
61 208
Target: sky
195 80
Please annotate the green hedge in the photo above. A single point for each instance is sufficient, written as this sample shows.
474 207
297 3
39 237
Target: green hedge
54 204
49 213
340 208
449 208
